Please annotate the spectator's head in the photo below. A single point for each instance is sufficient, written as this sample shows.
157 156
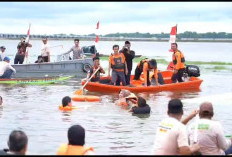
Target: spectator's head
2 48
174 46
175 107
76 135
115 48
141 102
18 142
7 59
127 44
0 100
206 110
66 101
152 63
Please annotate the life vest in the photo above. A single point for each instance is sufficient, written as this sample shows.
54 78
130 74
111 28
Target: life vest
117 63
97 74
174 59
66 108
66 149
140 64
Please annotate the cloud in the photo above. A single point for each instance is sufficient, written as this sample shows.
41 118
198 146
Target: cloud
81 17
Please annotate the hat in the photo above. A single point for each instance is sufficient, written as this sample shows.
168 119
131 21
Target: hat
6 59
175 106
132 95
2 47
206 107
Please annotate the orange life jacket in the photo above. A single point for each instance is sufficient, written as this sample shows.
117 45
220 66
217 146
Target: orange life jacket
66 149
174 60
66 108
118 63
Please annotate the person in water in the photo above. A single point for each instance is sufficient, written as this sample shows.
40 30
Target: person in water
17 144
125 98
141 107
67 101
144 66
96 65
76 142
1 101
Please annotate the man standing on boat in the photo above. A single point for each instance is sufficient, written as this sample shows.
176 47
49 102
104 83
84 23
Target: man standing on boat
2 54
45 51
20 55
118 64
178 61
129 55
6 70
76 49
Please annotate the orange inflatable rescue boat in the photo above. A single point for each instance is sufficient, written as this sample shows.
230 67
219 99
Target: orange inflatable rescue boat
193 83
88 98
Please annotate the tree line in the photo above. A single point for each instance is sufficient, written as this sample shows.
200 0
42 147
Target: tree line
186 34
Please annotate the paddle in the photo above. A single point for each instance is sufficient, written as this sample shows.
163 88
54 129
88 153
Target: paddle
80 91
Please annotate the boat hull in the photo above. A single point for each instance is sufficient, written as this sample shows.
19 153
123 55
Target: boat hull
193 83
65 68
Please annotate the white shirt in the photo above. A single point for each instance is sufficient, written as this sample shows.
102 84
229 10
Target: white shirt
45 50
211 138
5 66
171 134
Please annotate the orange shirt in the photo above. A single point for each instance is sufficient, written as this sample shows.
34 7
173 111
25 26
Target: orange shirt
111 60
66 149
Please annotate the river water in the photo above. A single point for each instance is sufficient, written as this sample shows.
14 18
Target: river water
110 129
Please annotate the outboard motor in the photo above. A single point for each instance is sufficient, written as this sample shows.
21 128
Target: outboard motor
192 70
89 49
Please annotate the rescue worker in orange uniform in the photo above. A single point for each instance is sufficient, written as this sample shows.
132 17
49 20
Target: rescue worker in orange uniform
117 63
76 142
96 65
179 63
144 66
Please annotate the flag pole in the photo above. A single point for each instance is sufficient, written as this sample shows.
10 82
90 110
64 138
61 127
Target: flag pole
97 36
27 40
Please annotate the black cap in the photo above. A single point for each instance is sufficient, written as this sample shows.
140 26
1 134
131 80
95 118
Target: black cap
175 106
2 47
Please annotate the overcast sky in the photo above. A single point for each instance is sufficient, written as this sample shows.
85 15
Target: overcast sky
124 17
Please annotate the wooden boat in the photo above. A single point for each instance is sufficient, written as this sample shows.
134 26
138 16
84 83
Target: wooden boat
34 81
193 83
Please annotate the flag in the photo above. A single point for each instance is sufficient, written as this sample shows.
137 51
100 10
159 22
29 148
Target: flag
97 37
173 34
97 25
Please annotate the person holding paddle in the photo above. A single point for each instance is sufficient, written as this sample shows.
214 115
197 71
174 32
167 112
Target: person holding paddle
96 65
